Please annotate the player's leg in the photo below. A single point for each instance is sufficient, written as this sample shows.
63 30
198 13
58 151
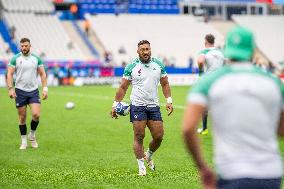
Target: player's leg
204 122
34 103
138 118
22 113
35 109
155 125
204 129
157 131
139 134
21 105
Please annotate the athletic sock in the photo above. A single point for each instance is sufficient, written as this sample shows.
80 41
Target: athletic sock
149 154
32 133
24 139
34 125
141 163
23 129
204 122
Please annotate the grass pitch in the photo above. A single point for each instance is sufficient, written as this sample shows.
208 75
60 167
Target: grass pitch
85 148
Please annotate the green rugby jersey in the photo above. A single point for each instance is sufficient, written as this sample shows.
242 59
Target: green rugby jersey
245 105
214 59
145 79
26 71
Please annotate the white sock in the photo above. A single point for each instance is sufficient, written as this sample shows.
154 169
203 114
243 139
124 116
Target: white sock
32 133
149 154
141 163
24 139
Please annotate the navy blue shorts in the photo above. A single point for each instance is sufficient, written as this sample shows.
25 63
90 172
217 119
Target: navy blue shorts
24 98
249 183
140 113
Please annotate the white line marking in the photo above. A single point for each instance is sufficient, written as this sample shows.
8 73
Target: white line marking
81 95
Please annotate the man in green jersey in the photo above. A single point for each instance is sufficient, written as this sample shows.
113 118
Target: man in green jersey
145 73
209 60
27 67
247 108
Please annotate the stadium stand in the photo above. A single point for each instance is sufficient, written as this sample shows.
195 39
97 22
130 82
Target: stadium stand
268 31
47 35
131 6
5 52
153 6
38 6
77 39
171 36
112 40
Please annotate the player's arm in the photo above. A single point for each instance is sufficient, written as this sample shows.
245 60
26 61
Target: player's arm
201 63
42 75
120 93
167 93
281 125
191 118
10 72
122 90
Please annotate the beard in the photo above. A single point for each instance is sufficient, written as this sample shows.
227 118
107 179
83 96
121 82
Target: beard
145 60
26 52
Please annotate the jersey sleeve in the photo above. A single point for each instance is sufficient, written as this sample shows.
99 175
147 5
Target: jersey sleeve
203 52
163 71
12 62
127 74
162 66
39 61
199 93
281 86
282 91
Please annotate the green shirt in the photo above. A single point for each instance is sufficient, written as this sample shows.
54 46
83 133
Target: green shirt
245 105
214 59
26 71
145 79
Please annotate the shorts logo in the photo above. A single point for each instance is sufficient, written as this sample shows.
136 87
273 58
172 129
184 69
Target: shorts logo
17 104
135 116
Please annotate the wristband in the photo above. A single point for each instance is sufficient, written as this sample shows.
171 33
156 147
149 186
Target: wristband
9 88
114 104
169 100
45 89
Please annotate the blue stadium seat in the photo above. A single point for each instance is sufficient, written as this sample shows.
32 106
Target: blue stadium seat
134 6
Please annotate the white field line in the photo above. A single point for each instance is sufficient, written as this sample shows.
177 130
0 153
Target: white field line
100 97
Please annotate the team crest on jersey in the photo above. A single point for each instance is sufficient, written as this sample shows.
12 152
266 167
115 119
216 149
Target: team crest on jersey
139 72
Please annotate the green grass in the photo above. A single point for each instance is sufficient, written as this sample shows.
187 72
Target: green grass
85 148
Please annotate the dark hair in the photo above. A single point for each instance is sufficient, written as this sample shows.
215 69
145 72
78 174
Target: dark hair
143 42
23 40
210 38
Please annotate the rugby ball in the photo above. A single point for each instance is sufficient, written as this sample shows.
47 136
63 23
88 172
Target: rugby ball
122 108
69 105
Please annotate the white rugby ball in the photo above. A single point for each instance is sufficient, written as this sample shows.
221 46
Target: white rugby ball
69 105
